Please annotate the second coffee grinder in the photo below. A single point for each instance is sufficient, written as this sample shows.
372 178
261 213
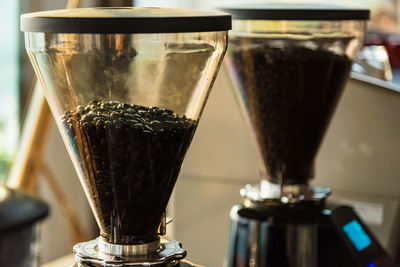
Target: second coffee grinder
288 65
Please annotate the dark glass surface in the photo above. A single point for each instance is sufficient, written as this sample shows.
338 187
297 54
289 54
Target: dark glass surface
289 92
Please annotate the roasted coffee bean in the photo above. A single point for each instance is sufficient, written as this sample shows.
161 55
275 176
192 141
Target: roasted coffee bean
290 93
131 159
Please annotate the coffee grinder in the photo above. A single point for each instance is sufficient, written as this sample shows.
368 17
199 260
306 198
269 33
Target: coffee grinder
288 65
126 87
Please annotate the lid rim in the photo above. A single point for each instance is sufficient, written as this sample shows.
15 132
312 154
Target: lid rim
49 22
300 13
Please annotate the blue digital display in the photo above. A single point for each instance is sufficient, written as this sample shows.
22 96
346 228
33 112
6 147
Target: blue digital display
357 235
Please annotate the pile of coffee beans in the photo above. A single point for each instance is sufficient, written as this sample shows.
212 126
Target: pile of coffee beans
290 93
130 156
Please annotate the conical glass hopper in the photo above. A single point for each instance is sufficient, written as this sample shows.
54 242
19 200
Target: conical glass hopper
289 64
127 87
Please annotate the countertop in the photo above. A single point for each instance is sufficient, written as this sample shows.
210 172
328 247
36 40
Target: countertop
375 81
69 259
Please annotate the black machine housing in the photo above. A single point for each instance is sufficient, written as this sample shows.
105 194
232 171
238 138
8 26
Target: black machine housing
302 235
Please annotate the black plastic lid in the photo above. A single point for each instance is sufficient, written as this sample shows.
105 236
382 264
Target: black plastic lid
296 12
18 209
125 20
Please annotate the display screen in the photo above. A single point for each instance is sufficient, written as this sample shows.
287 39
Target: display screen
357 235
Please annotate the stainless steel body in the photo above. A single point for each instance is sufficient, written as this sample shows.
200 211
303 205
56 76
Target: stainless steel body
276 226
99 253
268 242
127 250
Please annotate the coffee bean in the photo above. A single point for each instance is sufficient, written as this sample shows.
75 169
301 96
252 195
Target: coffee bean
290 93
131 159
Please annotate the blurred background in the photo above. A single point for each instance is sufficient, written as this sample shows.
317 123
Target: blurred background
359 158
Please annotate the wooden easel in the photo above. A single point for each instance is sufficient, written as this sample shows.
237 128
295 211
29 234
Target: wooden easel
29 161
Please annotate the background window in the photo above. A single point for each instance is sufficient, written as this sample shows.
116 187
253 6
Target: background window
9 83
